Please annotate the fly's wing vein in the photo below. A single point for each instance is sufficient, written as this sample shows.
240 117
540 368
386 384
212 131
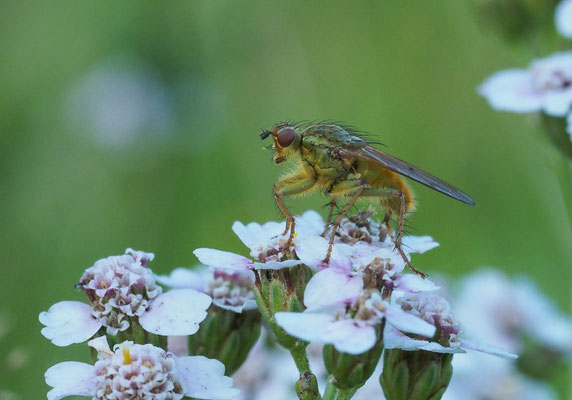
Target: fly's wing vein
377 156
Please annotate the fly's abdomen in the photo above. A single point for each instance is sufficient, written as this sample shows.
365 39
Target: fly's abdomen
379 177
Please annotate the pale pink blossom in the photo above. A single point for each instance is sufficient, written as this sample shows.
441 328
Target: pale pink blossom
545 86
139 371
121 289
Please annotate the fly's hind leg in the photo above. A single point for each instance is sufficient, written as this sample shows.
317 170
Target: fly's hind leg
399 234
355 188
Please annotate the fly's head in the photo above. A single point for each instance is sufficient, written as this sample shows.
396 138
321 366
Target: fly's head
286 141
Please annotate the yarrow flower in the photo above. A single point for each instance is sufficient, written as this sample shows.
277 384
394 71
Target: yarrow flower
545 86
134 371
267 244
349 324
435 310
512 311
122 291
231 291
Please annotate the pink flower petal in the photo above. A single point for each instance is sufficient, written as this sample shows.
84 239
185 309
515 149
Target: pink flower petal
511 90
394 339
408 322
350 338
332 286
414 283
203 378
181 278
71 378
307 326
69 322
277 264
223 259
178 345
250 237
313 249
177 312
345 335
483 348
418 244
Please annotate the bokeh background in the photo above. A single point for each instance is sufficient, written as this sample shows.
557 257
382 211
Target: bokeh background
135 124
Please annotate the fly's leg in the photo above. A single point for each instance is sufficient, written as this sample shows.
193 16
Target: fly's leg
338 220
287 187
355 188
399 234
329 221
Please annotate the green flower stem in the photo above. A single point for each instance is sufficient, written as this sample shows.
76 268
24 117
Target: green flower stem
331 391
346 394
300 358
334 393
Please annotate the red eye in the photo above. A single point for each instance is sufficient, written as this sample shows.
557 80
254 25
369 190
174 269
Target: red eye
285 137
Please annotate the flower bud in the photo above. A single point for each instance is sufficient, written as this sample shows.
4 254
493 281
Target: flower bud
307 386
226 336
415 375
349 371
281 290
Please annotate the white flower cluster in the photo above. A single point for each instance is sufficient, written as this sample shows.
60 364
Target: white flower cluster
119 287
123 294
134 371
152 368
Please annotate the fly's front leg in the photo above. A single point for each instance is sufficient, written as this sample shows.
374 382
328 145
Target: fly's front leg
287 187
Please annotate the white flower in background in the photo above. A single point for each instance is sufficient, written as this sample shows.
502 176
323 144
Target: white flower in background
563 18
477 376
139 371
119 102
268 373
506 311
435 310
545 86
267 245
231 291
121 289
348 323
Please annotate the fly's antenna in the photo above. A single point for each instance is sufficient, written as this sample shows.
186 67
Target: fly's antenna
265 134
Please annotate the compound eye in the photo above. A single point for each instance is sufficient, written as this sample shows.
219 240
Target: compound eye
285 137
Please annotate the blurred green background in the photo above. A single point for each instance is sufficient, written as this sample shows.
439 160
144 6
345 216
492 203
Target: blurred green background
135 124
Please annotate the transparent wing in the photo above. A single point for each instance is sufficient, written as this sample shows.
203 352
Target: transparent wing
401 167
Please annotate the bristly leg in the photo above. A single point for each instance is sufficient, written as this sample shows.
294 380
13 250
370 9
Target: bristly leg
330 213
338 220
399 235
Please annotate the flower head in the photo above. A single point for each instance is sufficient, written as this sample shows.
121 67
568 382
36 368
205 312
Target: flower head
351 326
508 311
435 310
545 86
230 290
268 246
121 290
139 371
